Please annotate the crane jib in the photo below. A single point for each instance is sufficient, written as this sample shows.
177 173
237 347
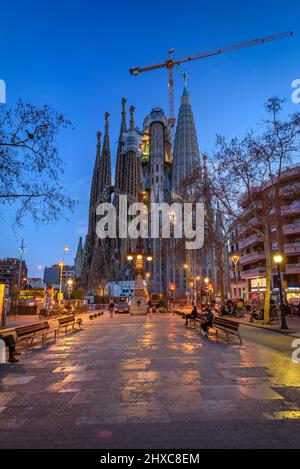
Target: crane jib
170 63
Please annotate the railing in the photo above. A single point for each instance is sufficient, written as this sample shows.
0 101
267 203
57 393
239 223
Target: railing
292 268
250 240
254 256
293 248
292 228
253 273
290 209
248 225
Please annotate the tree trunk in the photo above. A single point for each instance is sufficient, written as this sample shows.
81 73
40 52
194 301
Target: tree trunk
268 278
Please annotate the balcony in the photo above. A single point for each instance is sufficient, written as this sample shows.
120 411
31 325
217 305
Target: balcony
250 224
293 228
292 269
292 209
254 239
253 257
293 248
253 273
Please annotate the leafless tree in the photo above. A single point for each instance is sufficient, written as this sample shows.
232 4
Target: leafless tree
30 165
245 177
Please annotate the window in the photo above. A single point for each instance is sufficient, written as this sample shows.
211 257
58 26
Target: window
274 245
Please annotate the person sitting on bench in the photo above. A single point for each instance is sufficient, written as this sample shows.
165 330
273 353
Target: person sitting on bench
208 320
193 315
10 342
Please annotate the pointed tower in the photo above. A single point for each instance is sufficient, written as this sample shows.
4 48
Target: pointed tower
105 160
78 261
186 151
96 181
94 196
119 164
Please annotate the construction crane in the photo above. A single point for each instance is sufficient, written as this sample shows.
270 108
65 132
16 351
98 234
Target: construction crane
170 64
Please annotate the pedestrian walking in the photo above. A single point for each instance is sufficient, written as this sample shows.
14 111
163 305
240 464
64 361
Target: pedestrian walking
111 309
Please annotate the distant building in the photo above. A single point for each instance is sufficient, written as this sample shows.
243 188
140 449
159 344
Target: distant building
123 288
249 280
78 261
35 282
52 275
9 271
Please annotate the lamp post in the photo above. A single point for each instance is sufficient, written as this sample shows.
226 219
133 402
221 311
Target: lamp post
206 281
198 278
172 216
235 259
61 266
70 285
278 261
172 288
193 283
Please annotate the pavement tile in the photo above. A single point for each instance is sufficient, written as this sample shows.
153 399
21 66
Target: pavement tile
149 383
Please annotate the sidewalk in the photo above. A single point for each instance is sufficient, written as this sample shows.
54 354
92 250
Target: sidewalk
292 322
149 382
14 321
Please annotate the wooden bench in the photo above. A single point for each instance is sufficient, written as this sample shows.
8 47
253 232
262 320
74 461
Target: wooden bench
69 321
220 325
228 327
39 329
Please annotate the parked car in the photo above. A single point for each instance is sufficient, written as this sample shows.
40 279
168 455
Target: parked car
122 308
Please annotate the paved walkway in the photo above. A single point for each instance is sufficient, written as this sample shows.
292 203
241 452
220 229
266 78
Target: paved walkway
292 322
148 382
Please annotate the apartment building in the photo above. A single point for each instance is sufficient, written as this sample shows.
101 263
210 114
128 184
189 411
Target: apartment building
10 271
248 279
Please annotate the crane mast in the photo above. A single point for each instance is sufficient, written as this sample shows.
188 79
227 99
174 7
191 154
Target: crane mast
170 64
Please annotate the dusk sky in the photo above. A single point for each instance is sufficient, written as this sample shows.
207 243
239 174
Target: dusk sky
75 55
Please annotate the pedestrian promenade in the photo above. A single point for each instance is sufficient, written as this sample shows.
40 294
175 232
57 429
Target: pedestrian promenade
293 323
149 382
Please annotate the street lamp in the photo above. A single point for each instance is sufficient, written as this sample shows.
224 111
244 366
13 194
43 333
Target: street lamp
206 281
70 285
278 261
61 266
235 259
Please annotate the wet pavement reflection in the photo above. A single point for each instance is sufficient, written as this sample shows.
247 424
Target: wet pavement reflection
148 381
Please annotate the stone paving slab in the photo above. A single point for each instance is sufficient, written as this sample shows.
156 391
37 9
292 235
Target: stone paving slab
149 382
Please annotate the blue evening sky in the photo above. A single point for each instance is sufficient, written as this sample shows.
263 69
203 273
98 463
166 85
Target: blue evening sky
76 54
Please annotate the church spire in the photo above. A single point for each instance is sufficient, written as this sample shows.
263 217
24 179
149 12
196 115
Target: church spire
132 122
105 160
119 167
78 261
96 173
186 151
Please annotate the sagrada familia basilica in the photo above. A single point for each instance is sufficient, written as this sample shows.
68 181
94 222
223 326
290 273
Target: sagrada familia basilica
149 168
